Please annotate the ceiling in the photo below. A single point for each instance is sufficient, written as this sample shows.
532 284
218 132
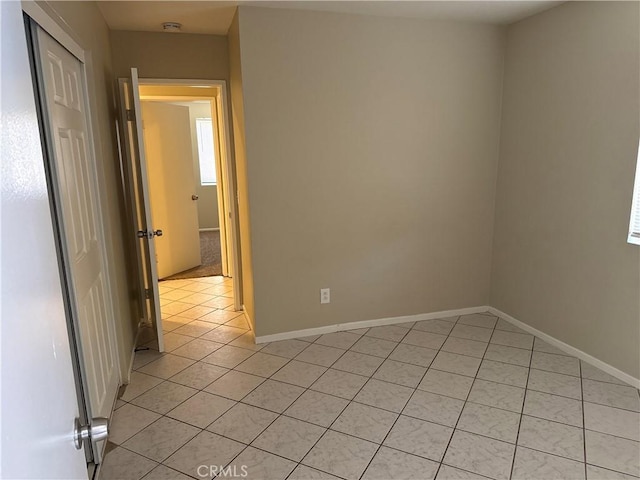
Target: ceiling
214 17
148 15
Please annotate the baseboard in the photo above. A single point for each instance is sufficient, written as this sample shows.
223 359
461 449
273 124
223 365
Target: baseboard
340 327
605 367
133 353
209 229
252 325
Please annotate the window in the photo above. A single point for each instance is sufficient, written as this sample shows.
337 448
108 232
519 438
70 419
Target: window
634 222
206 151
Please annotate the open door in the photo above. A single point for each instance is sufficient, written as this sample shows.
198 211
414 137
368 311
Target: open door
172 187
135 171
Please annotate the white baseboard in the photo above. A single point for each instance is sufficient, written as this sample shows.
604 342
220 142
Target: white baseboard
605 367
340 327
133 354
209 229
252 325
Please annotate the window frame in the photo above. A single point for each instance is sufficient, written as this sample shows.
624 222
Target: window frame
200 121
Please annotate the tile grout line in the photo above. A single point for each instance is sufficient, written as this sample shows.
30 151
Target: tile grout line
165 380
399 414
199 390
281 414
331 366
326 428
415 389
466 400
392 383
348 434
353 399
289 359
444 452
524 401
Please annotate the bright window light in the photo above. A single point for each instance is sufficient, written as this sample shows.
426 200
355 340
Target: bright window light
634 222
206 151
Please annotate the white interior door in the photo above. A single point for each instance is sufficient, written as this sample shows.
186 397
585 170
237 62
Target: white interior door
135 170
39 399
74 170
167 140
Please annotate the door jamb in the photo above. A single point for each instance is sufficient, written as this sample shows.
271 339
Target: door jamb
49 24
230 188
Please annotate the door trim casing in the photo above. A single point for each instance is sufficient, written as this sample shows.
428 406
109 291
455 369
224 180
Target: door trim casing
50 25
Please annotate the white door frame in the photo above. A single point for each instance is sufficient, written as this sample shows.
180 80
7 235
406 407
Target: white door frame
227 169
48 23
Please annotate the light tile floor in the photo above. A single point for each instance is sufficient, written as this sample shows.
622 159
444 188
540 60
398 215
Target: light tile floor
466 397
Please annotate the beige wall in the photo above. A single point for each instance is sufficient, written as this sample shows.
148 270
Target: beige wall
169 55
371 156
83 21
208 194
569 142
245 276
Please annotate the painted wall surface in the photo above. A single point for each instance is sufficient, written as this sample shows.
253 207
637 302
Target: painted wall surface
208 194
240 170
167 55
570 127
371 157
83 21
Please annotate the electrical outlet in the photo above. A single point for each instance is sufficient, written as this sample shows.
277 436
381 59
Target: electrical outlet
325 295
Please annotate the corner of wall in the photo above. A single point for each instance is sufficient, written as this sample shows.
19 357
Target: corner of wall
240 164
505 37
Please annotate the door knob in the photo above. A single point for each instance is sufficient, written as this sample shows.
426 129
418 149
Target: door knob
194 197
97 430
158 233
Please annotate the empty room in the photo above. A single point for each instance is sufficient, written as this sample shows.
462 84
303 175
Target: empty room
377 240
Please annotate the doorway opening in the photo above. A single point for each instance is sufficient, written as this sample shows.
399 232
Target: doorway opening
176 192
186 139
180 143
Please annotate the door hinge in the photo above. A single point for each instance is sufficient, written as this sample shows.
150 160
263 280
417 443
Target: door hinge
131 116
147 293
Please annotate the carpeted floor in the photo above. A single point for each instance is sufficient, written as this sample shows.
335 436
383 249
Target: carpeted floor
211 259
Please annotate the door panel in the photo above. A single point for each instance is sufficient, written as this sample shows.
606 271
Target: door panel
76 177
167 139
39 400
94 306
135 171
